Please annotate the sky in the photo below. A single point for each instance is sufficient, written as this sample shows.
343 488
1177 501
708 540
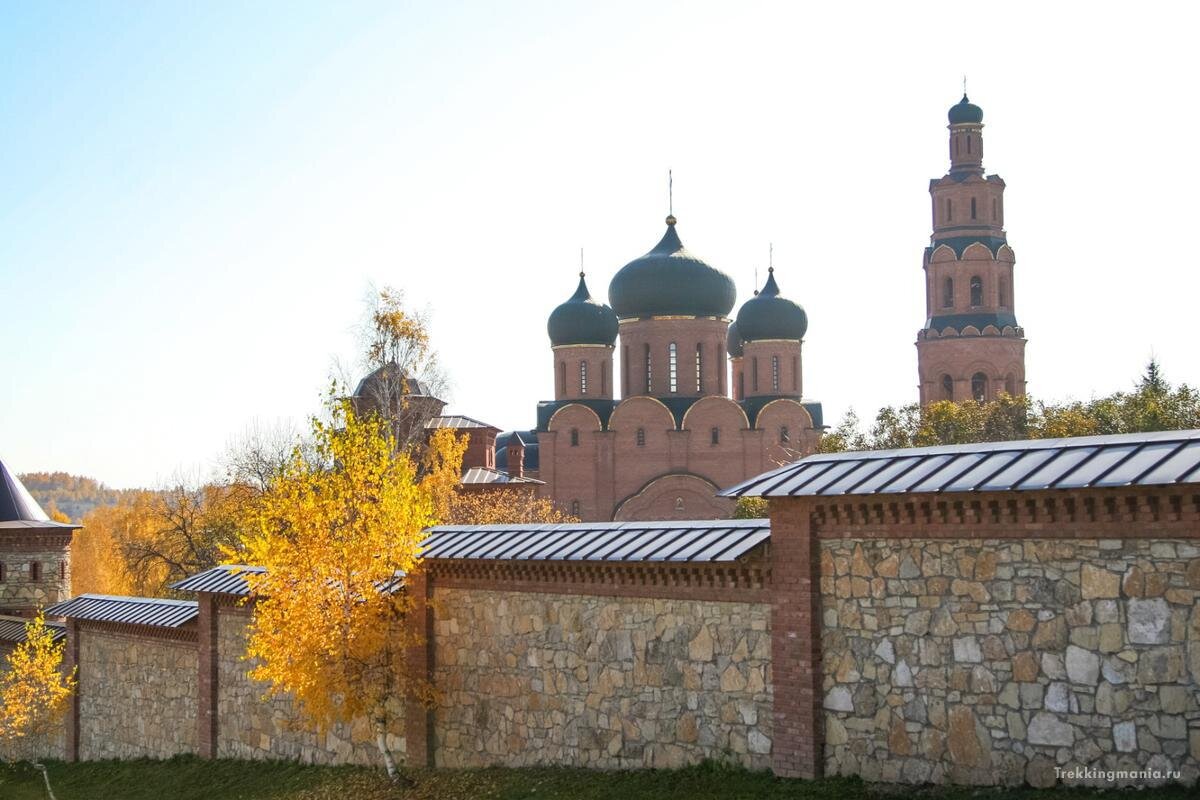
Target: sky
195 200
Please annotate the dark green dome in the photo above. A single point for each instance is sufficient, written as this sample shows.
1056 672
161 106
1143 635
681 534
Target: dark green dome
670 281
733 341
965 112
581 320
769 316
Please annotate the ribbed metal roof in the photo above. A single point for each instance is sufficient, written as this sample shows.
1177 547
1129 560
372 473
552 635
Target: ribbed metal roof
703 540
456 421
1137 459
478 475
12 629
130 610
223 579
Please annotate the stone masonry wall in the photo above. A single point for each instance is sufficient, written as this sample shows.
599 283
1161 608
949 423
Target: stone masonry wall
993 661
251 726
531 678
137 696
18 590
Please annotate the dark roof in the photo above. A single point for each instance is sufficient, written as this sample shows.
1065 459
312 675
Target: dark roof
456 421
733 341
1136 459
154 611
753 405
767 315
12 629
670 281
18 509
981 320
708 540
412 386
528 439
546 409
959 244
223 579
581 320
482 475
964 111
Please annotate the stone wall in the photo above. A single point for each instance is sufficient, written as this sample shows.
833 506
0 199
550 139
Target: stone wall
137 695
994 661
20 592
605 682
251 726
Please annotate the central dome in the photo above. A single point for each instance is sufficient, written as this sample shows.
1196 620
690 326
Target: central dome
670 282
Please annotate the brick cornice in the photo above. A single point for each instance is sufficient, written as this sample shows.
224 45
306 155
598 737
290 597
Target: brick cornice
32 540
735 582
1120 513
186 634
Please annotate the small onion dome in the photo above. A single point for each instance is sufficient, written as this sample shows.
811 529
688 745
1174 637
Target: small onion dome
733 341
965 112
670 281
581 320
769 316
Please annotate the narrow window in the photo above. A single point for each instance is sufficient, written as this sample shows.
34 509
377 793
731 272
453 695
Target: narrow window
957 142
774 373
784 438
672 369
699 368
574 508
994 215
949 213
716 435
721 367
741 386
62 570
976 291
972 208
968 143
947 387
641 437
1004 292
979 386
649 382
3 573
625 370
678 505
562 377
574 437
796 373
948 293
754 374
1010 384
583 377
603 378
35 571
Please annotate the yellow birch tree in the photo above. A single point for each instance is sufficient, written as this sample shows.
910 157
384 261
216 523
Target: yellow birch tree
33 688
335 530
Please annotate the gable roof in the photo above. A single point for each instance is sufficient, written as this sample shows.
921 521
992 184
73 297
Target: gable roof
155 611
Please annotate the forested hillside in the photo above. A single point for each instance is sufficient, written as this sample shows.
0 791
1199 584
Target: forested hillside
73 495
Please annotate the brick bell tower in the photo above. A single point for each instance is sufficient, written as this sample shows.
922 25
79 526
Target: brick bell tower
971 346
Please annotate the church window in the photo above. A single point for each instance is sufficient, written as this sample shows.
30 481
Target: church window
968 151
741 389
699 368
754 374
640 437
784 438
775 373
1004 292
715 434
721 369
562 377
583 377
979 386
993 209
35 571
795 373
649 382
603 377
679 505
948 293
1010 384
972 208
949 210
976 291
574 437
574 508
672 368
625 370
947 387
62 570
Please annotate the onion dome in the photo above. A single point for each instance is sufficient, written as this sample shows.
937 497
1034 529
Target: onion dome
670 281
733 341
965 112
581 320
769 316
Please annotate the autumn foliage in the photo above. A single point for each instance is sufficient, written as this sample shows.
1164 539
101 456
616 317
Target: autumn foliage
33 688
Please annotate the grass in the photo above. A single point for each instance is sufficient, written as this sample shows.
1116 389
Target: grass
189 778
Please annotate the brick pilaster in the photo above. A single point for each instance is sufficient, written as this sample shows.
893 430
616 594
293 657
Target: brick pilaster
796 643
206 681
70 663
418 718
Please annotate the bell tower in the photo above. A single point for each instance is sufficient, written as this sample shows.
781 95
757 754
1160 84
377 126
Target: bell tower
971 346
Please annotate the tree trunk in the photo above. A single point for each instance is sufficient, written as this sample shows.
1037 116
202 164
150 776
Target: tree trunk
384 750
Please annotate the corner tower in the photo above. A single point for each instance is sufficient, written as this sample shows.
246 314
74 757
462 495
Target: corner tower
971 346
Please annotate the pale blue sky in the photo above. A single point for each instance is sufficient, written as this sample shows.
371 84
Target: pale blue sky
194 200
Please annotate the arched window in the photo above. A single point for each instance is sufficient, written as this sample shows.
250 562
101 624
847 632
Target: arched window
625 370
603 377
699 368
774 373
968 151
574 437
979 387
649 382
948 293
754 374
949 211
721 367
1010 384
672 369
994 215
741 389
640 437
715 434
972 207
574 508
1004 292
562 377
947 387
583 377
35 571
976 291
795 373
784 438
